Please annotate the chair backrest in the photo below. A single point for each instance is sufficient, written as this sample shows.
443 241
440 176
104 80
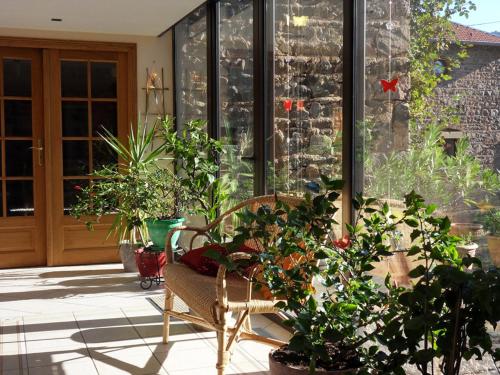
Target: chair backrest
253 204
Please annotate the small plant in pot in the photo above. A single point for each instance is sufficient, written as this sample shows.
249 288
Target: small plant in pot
335 328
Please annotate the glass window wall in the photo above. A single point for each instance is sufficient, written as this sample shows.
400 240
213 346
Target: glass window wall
191 67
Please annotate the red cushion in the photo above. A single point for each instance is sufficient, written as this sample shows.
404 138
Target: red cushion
197 261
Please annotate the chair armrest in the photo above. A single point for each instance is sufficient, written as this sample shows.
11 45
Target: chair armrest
220 284
168 239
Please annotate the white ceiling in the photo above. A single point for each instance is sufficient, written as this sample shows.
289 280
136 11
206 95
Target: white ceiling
131 17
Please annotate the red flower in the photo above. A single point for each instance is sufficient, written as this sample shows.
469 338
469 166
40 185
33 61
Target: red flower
300 105
343 243
287 105
77 187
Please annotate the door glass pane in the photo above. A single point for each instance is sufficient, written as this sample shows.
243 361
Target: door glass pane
307 133
75 119
191 67
236 97
104 116
74 79
18 118
19 198
75 158
102 154
16 77
18 158
71 189
103 80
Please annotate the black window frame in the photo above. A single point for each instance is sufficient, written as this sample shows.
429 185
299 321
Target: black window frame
353 12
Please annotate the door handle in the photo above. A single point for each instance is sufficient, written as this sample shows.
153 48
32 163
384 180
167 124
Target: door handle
39 148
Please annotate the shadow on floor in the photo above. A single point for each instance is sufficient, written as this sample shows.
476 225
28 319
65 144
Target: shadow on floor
79 273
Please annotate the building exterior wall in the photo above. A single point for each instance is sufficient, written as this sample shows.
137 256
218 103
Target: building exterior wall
151 54
477 86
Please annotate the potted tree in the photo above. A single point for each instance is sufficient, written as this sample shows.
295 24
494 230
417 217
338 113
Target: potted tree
335 329
120 190
162 173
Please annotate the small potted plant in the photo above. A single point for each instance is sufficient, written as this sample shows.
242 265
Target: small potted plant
491 223
334 331
467 247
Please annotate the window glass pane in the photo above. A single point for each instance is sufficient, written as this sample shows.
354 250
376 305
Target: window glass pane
16 77
103 80
71 189
414 136
19 198
103 155
18 158
75 158
307 133
17 118
104 116
75 119
191 67
74 79
236 97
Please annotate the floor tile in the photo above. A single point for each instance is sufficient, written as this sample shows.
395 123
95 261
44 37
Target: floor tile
82 366
134 360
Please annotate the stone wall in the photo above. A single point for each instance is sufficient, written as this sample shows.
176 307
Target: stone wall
477 85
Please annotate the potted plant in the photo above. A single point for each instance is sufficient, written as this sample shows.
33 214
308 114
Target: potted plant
162 173
335 330
120 190
445 316
467 247
190 185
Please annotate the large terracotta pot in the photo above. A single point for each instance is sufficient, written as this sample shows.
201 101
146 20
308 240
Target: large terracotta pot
278 368
494 249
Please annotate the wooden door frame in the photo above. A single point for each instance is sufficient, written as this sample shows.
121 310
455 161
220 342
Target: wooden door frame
50 51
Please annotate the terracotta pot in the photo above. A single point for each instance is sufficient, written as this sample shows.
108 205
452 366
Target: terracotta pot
494 249
463 229
128 257
278 368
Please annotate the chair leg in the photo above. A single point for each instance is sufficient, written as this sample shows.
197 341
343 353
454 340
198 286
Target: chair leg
169 305
222 353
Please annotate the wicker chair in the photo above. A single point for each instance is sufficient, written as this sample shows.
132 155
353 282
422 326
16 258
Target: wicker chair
212 298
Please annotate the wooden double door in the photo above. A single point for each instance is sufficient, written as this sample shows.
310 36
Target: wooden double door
54 103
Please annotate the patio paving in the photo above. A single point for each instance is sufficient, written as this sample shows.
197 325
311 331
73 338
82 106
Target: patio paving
96 320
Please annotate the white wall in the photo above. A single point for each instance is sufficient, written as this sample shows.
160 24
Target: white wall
152 52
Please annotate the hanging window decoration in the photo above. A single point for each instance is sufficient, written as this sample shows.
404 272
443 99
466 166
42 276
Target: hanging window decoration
287 105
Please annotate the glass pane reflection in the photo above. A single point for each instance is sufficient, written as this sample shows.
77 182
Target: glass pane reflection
17 77
19 198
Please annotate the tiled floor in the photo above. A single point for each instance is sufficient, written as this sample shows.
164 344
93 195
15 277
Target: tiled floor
96 320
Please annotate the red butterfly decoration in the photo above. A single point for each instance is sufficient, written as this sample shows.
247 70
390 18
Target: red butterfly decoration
389 85
300 105
287 105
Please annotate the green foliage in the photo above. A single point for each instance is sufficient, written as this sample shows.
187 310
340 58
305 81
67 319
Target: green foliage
352 306
445 313
433 39
161 173
444 180
196 158
491 221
